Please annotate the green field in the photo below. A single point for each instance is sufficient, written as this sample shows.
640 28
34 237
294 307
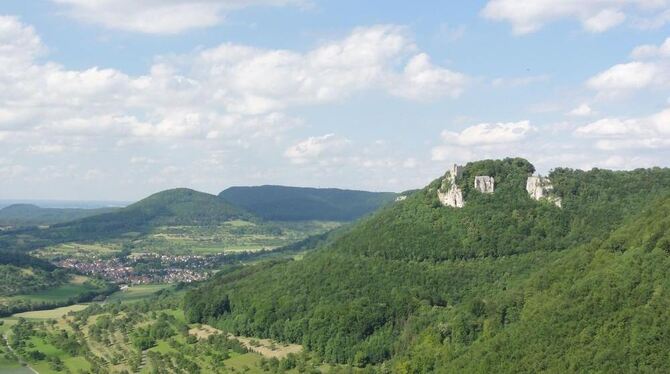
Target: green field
11 366
233 236
50 313
81 250
61 293
229 237
136 293
78 289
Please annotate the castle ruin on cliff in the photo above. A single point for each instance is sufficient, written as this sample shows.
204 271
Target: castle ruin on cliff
450 194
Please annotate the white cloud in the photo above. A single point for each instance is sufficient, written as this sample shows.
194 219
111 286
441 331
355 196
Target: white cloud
315 147
604 20
251 80
594 15
423 80
484 140
19 43
650 68
583 110
159 16
489 133
216 93
651 51
626 77
612 134
230 101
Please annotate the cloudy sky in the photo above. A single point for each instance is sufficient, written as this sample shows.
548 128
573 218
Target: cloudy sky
116 99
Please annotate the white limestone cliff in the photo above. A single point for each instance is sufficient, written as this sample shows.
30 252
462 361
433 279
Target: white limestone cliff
484 183
541 188
453 197
449 193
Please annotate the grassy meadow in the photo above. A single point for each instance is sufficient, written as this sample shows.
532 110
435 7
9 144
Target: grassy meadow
136 293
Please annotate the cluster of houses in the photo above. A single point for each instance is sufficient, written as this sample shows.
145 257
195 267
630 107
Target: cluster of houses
172 269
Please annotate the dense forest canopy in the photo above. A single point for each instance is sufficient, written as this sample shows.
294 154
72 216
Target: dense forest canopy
283 203
432 287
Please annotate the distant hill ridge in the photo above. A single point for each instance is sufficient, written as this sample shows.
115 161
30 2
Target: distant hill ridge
179 206
187 207
283 203
30 214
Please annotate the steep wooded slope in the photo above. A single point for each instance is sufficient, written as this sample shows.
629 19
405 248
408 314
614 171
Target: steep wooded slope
283 203
417 267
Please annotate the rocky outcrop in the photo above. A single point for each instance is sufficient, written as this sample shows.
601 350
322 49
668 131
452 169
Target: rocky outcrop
484 184
449 193
453 197
401 198
541 188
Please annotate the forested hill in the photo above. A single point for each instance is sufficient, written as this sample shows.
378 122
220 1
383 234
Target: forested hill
33 215
180 206
302 204
421 287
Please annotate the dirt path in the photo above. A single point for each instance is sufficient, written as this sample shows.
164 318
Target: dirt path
21 362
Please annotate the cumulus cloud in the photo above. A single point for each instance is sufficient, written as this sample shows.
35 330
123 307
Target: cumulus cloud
604 20
583 110
315 147
223 100
489 133
423 80
257 80
484 140
625 77
594 15
648 51
612 134
650 68
211 93
159 16
19 43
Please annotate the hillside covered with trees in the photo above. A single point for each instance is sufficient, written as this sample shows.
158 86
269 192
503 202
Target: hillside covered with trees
504 283
283 203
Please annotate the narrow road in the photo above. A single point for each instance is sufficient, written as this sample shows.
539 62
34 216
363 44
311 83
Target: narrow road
21 362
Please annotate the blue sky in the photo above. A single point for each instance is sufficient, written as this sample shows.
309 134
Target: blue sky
105 99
